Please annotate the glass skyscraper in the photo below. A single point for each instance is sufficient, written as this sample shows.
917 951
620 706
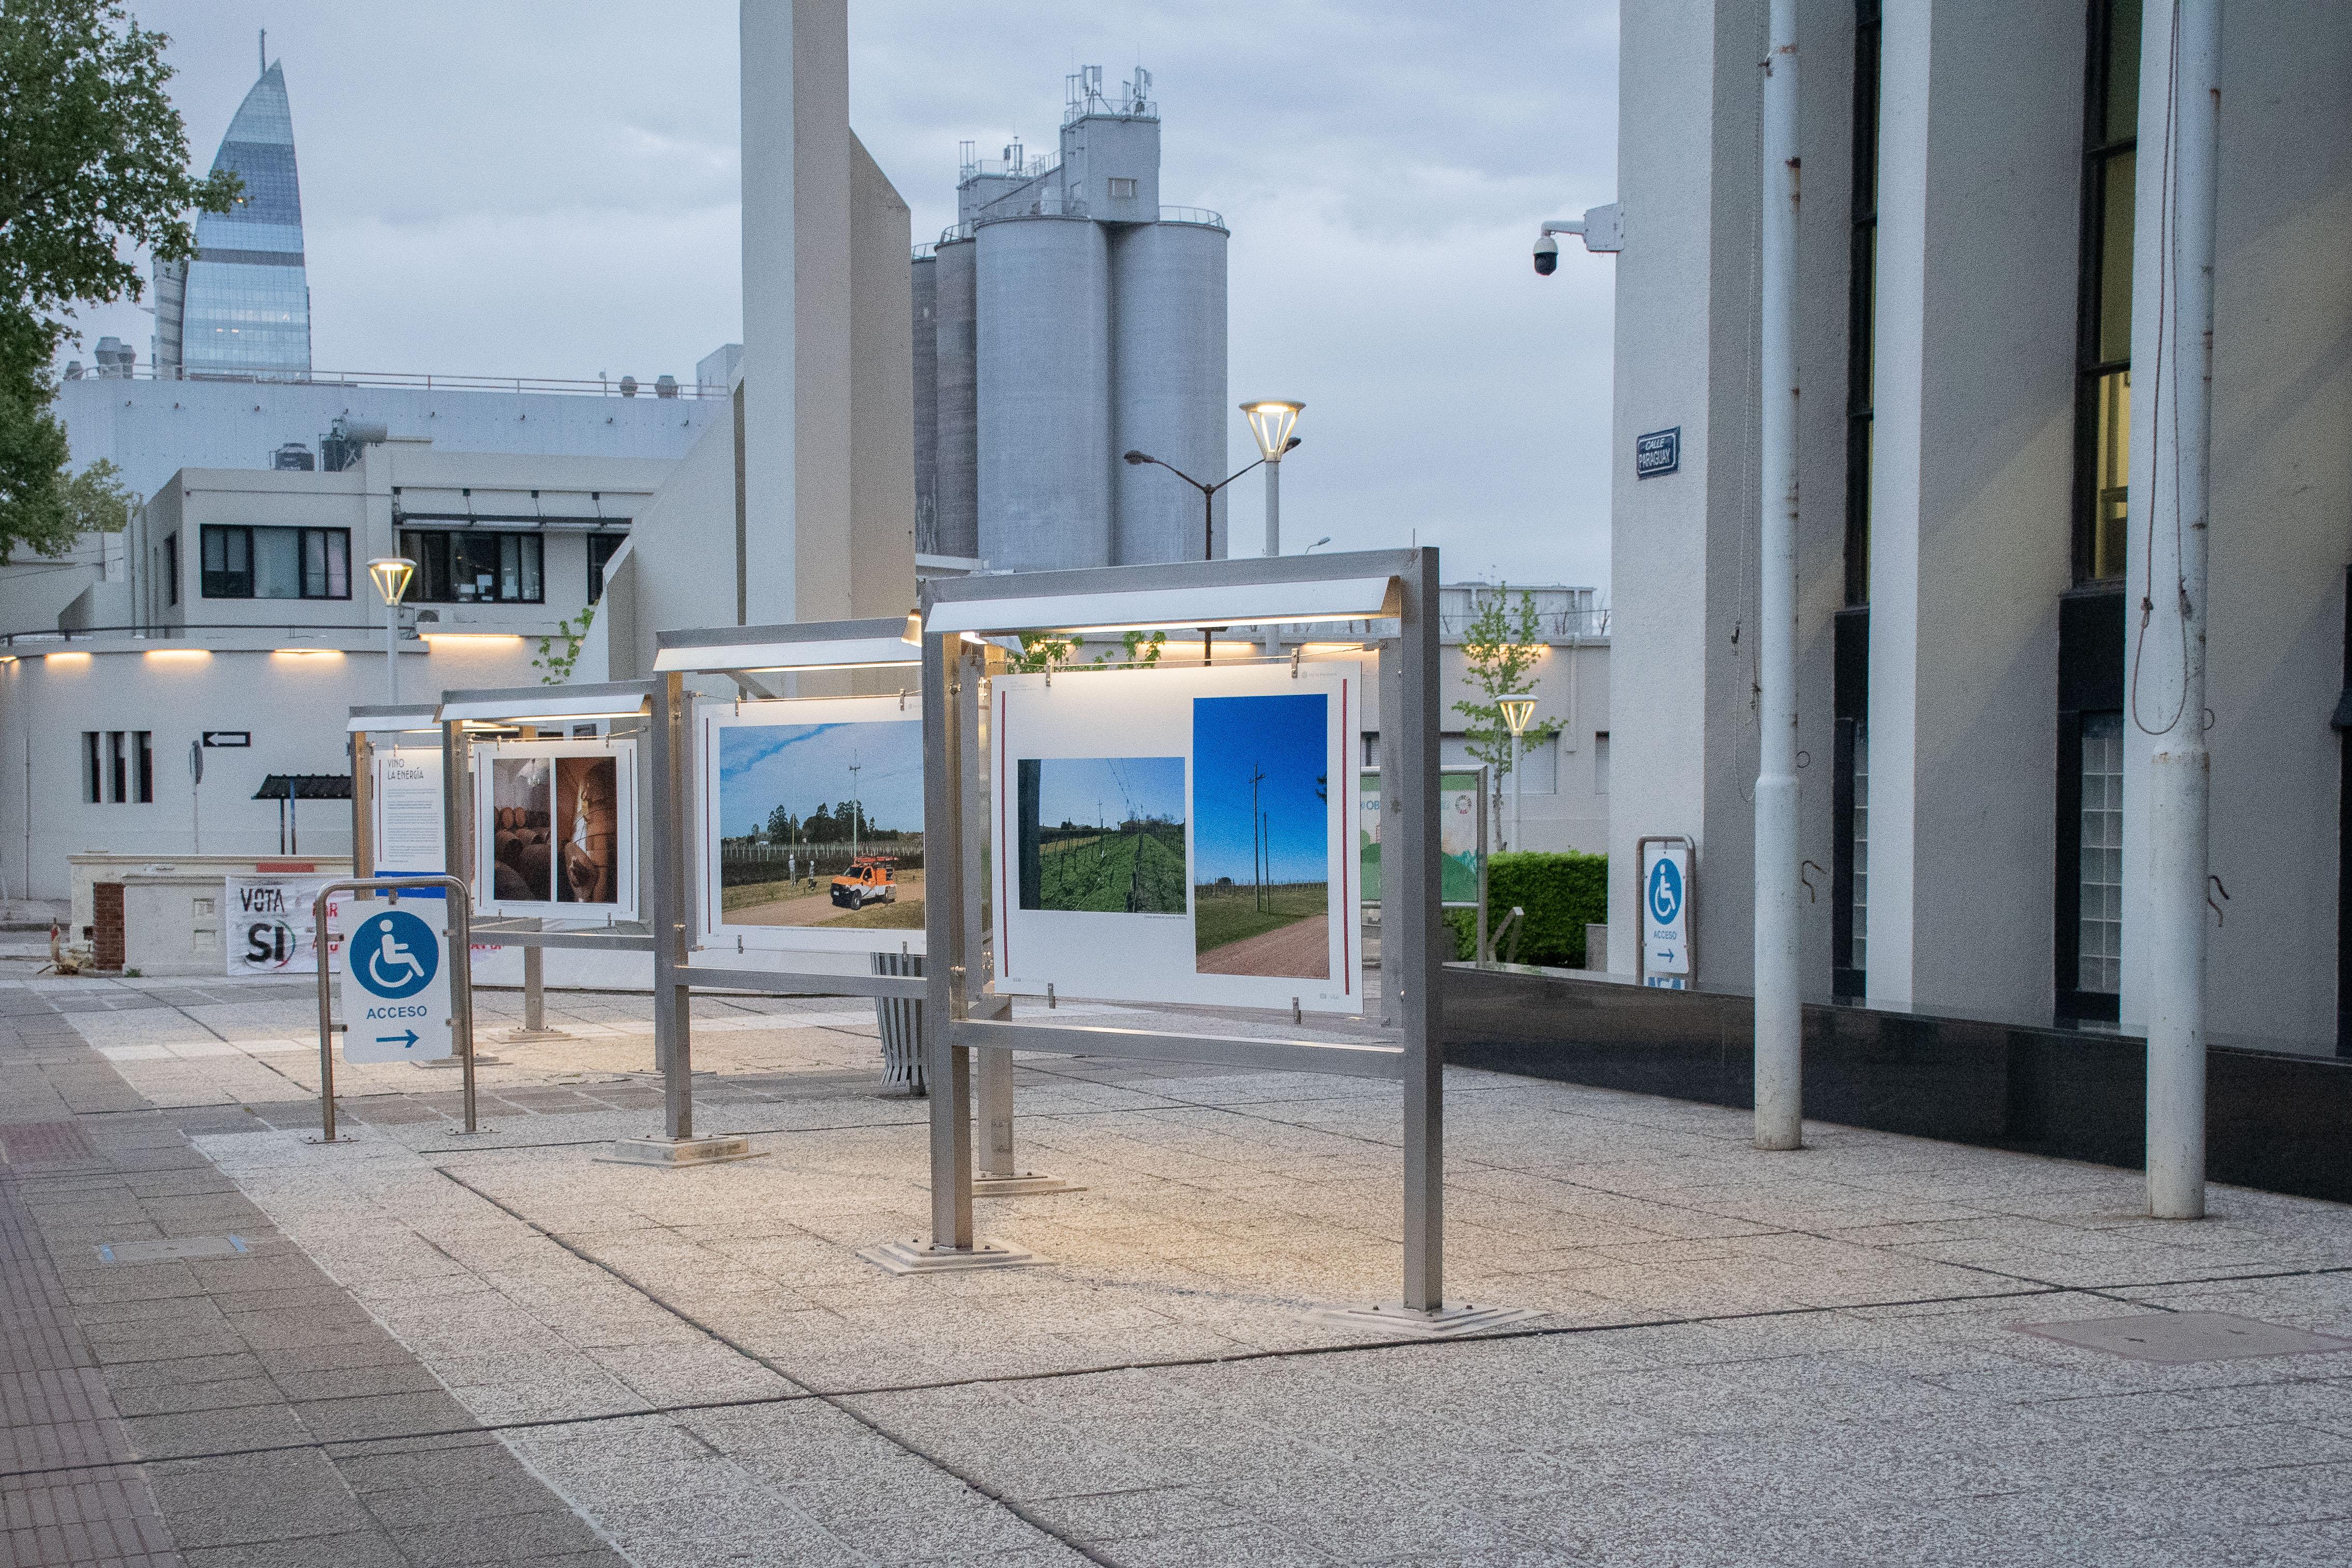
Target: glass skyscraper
242 308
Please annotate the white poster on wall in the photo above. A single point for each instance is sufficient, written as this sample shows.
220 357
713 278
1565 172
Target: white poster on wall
1179 835
811 824
555 830
271 928
407 833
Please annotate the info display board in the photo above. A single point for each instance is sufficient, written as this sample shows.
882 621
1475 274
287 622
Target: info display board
555 830
1457 835
271 926
408 831
811 824
1179 836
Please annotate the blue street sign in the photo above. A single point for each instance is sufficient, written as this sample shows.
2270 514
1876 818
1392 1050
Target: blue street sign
1657 452
395 989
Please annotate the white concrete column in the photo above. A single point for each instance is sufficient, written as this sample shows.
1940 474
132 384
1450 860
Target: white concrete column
796 298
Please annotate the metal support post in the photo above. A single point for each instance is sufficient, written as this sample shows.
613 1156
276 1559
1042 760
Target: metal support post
1391 679
2173 616
1519 782
1417 890
392 654
1485 776
951 670
1779 1009
668 779
1273 632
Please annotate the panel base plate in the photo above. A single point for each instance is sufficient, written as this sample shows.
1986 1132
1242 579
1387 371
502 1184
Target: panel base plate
1021 1184
921 1256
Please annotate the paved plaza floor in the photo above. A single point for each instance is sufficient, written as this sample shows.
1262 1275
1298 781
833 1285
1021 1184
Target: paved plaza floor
420 1348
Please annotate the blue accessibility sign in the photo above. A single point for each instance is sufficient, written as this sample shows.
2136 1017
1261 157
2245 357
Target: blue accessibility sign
1665 892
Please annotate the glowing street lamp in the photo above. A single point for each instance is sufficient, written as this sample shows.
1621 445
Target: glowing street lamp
1516 712
392 574
1271 421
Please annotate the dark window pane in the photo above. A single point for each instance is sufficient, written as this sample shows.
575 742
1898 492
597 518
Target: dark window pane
2115 258
600 555
146 760
90 773
228 567
277 563
2123 70
338 563
2110 472
172 568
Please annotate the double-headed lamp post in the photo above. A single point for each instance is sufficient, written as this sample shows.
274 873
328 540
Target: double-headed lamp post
1516 712
391 575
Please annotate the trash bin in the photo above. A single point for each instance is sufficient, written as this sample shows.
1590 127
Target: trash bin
901 1022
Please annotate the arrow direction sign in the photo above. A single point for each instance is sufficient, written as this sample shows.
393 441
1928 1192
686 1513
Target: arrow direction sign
397 978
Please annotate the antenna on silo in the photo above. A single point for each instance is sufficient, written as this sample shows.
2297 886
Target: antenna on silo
265 51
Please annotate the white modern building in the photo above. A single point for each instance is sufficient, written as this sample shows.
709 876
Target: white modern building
1068 318
239 604
1977 705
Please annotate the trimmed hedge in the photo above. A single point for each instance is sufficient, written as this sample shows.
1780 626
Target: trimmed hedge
1560 893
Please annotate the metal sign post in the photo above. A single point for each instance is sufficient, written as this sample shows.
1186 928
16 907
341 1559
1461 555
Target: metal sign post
410 969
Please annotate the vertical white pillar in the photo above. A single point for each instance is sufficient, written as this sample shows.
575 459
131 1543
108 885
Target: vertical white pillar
2173 272
796 306
1779 1010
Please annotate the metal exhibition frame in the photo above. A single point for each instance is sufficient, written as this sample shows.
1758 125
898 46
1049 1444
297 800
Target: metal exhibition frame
747 656
502 712
1383 585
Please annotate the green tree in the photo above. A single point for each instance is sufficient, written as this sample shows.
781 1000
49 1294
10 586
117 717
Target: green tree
93 169
1501 648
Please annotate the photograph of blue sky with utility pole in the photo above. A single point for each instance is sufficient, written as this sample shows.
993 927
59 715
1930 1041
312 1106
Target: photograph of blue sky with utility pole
821 824
1262 835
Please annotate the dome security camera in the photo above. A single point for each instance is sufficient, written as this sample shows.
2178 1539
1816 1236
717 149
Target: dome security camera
1547 256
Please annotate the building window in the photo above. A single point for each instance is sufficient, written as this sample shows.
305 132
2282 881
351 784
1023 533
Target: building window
1862 302
1600 762
277 563
1122 190
2103 354
170 568
600 550
474 566
92 775
2099 918
143 759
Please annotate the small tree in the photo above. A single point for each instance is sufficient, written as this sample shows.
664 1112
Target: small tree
1502 648
93 168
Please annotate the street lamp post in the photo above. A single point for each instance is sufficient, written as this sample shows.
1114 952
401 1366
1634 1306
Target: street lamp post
1516 712
1271 421
1208 493
391 575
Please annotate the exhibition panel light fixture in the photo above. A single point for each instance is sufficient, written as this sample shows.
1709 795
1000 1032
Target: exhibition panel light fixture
1175 609
528 706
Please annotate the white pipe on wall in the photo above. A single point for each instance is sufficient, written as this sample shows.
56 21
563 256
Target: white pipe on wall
1780 1012
2187 45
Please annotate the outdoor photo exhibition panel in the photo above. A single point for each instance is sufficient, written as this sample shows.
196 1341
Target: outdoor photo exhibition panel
1173 835
555 830
1395 590
810 818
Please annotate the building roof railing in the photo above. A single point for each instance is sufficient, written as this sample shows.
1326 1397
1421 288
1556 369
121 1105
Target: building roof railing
608 386
1058 207
1200 216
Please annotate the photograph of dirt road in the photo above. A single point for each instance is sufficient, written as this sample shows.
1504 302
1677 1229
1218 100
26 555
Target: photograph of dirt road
1101 834
1261 836
821 825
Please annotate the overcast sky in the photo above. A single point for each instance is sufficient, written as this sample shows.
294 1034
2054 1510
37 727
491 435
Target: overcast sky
542 189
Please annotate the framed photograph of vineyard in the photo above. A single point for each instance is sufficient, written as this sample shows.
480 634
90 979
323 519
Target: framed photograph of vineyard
1178 835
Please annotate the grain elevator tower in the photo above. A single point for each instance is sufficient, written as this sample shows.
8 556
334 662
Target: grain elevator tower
1070 317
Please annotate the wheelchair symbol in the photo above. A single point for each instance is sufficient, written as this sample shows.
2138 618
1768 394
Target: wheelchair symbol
397 954
1665 892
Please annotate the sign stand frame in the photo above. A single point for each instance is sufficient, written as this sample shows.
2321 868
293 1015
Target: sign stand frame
460 957
1375 586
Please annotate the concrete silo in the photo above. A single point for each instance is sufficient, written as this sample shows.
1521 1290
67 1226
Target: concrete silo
956 441
1075 317
1043 304
926 402
1168 385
